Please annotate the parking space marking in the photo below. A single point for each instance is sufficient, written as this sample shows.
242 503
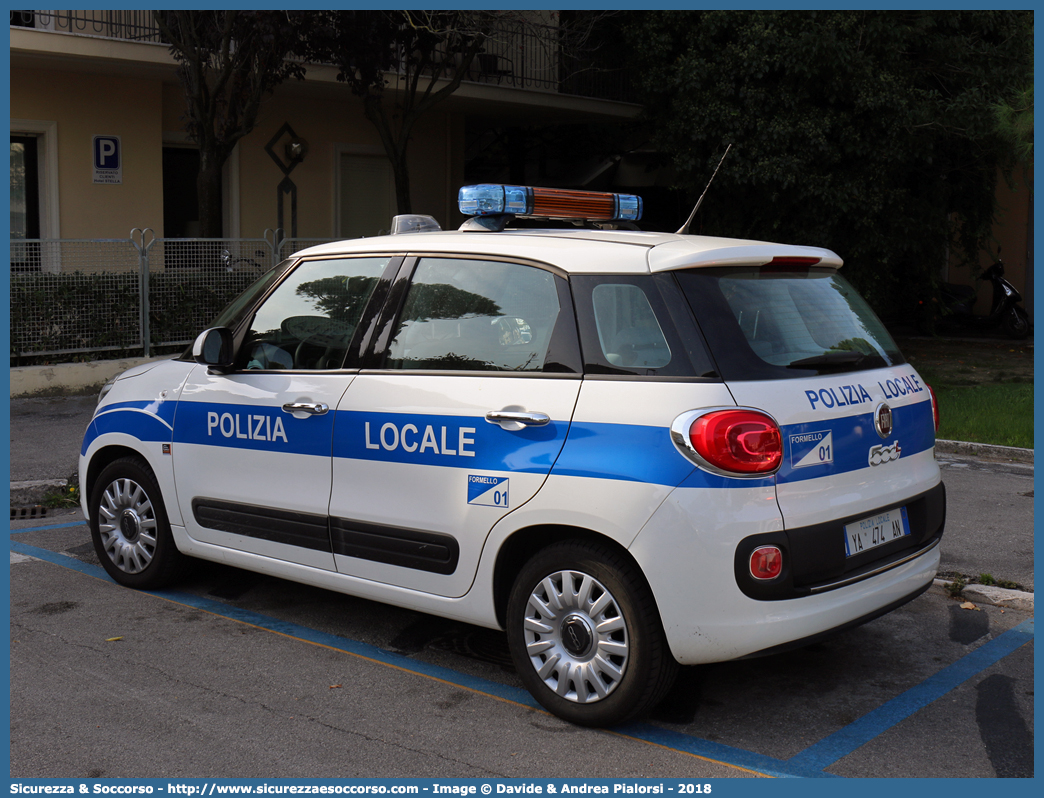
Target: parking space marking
739 758
45 528
369 652
843 742
810 763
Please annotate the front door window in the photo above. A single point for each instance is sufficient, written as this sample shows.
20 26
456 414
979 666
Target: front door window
309 320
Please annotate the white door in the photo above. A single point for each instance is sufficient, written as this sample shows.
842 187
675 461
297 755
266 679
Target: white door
461 426
252 448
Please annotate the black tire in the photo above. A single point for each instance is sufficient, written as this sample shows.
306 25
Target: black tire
129 527
1016 323
616 671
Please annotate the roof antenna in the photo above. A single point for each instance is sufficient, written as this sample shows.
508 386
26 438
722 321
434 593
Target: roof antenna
684 229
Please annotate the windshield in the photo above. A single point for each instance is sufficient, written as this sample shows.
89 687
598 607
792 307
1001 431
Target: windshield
773 323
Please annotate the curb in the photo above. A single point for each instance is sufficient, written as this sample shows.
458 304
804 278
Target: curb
988 594
32 492
987 451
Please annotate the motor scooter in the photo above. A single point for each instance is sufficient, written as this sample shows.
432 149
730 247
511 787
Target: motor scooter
958 306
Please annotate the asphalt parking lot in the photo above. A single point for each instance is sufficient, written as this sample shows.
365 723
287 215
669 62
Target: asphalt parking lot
238 675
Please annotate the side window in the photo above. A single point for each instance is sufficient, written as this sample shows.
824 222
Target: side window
462 314
628 331
308 321
638 326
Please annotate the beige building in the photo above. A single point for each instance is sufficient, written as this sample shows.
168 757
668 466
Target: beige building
100 84
98 146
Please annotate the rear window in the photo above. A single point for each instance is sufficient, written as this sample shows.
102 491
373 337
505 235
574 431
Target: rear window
768 323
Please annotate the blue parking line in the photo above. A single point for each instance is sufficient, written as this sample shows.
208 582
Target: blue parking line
810 763
45 528
726 754
507 692
843 742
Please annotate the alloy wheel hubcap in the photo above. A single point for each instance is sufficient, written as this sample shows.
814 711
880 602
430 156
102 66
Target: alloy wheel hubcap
127 525
576 637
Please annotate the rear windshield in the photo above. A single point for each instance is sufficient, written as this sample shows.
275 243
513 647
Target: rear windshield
772 323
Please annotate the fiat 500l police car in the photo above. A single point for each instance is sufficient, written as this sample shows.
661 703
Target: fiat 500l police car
629 450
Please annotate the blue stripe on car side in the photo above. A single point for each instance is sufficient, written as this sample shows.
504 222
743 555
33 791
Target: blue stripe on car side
254 428
138 419
446 441
162 409
624 452
596 450
913 428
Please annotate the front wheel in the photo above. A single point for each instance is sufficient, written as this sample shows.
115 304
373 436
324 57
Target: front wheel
129 527
1016 324
585 635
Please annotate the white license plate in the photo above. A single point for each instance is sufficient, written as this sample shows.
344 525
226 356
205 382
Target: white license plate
869 533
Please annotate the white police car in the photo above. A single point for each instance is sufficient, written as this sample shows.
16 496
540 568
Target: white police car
629 450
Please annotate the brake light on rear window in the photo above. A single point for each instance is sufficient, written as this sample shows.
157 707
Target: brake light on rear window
738 442
795 264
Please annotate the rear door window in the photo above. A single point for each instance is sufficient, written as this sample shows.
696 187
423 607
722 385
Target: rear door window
773 323
476 315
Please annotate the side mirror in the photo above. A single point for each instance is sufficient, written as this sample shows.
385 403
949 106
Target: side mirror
213 348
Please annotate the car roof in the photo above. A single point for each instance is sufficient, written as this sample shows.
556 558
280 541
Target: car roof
583 251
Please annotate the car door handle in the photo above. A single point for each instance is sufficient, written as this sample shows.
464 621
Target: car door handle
518 417
315 409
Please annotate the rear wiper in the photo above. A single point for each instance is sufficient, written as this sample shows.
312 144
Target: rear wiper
837 359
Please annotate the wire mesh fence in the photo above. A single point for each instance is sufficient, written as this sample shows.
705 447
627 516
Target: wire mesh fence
78 297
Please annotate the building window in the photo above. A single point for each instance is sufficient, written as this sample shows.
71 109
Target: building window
180 198
367 195
25 204
25 188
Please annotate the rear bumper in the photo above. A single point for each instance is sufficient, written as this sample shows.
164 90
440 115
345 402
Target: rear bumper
814 556
687 552
807 641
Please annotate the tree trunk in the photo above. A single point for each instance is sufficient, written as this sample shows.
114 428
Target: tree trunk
402 182
208 192
394 147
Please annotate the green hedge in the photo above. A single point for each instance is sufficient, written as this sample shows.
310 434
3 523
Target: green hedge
90 311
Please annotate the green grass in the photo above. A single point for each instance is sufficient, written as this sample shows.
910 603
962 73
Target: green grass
997 413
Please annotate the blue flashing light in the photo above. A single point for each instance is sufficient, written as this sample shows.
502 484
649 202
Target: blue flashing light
628 207
488 199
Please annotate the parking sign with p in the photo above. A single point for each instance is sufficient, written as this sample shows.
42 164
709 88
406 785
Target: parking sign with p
108 159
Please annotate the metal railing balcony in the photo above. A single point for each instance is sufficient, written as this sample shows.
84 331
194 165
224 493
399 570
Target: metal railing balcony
517 55
135 26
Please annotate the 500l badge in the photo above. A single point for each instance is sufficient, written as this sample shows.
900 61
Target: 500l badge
879 455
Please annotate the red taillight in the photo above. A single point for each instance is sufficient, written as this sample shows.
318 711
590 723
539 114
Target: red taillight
739 441
935 407
766 562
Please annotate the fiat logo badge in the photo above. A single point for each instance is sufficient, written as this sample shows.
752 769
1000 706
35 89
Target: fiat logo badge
883 420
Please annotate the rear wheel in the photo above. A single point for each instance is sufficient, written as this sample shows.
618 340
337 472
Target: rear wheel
585 635
129 527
